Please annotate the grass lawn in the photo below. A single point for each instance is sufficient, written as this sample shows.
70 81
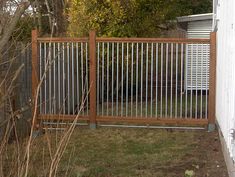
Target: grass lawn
134 152
176 108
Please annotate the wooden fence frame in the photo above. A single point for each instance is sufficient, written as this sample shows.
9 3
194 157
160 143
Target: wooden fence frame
92 118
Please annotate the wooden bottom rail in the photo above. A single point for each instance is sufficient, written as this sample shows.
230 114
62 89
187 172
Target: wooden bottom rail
133 120
148 120
62 117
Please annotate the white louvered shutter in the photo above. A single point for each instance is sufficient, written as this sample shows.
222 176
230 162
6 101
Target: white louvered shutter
198 55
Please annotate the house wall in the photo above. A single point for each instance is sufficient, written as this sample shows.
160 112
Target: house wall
199 29
225 82
198 62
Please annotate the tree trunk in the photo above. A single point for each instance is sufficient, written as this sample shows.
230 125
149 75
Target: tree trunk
9 28
5 35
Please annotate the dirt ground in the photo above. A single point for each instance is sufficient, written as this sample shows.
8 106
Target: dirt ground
108 152
207 154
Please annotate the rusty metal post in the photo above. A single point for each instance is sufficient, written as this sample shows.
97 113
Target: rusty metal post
212 83
92 55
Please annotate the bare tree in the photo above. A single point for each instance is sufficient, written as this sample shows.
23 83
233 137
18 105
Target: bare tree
10 14
17 161
51 15
9 17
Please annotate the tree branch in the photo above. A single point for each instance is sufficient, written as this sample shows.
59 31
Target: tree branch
9 28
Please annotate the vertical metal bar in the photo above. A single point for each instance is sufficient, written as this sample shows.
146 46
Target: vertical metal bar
102 79
186 82
45 80
82 79
196 82
58 73
132 63
78 81
172 50
87 84
151 87
107 106
156 112
117 81
112 74
207 73
49 73
49 65
176 81
68 86
166 79
40 75
137 79
127 66
161 78
122 80
202 64
141 80
54 83
181 78
63 68
73 79
146 99
98 77
191 91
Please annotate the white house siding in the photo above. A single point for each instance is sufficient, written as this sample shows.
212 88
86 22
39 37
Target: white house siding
199 29
225 82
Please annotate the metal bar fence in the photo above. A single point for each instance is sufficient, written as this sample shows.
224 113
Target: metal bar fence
160 82
137 79
65 65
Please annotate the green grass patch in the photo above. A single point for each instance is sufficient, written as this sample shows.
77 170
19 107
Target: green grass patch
123 152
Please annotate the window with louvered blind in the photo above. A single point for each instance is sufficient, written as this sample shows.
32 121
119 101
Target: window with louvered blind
197 66
197 56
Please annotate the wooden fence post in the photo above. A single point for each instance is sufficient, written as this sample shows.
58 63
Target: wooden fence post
92 55
212 83
34 69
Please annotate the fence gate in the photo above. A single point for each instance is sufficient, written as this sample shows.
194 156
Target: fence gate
128 80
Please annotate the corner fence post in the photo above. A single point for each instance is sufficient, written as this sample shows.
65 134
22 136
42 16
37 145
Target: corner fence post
34 71
212 83
92 55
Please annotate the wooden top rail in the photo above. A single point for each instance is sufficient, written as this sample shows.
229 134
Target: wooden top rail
62 39
149 40
135 40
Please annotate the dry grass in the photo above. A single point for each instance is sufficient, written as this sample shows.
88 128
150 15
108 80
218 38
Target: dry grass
132 109
132 152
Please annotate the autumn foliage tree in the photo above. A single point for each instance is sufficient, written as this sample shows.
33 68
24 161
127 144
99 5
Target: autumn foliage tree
125 18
